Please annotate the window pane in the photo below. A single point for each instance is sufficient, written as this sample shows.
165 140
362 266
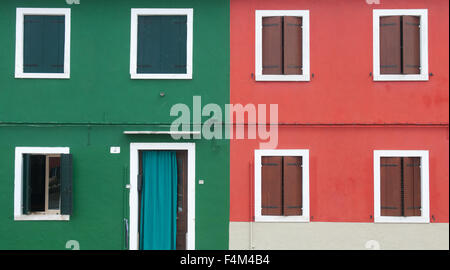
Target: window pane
43 44
162 44
37 183
54 183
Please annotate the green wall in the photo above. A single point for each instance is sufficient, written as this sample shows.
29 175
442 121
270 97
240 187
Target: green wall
90 111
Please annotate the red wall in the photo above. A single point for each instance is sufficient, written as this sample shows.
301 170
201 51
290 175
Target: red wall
341 158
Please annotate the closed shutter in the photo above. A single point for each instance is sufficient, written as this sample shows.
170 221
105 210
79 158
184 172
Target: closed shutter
26 185
66 184
162 44
292 185
43 44
292 45
390 45
391 186
272 47
271 182
412 189
411 44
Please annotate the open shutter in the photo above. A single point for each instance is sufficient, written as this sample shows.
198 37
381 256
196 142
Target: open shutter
292 45
66 184
292 186
181 200
26 185
391 186
271 182
412 189
411 44
272 47
390 45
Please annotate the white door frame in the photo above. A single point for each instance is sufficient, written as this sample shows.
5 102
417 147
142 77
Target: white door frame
134 198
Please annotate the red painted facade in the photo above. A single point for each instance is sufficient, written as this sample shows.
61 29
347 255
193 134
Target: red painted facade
388 115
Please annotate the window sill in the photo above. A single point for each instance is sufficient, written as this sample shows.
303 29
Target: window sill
161 76
283 78
399 77
282 219
401 220
42 217
42 76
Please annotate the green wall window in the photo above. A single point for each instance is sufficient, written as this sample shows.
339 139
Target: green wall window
161 43
43 43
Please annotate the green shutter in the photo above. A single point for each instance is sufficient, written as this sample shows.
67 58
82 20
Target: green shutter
66 184
43 44
26 188
162 44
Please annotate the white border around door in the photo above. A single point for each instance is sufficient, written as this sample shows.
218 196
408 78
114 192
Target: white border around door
134 200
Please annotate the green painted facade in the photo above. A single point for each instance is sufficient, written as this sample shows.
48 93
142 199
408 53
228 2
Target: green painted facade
90 111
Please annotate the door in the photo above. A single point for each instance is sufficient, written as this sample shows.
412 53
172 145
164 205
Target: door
162 187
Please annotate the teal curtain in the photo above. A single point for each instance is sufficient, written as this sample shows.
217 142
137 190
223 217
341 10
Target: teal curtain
158 225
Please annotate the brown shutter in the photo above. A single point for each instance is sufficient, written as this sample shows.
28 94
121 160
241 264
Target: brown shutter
292 45
292 186
272 47
271 174
181 200
411 181
390 45
391 186
411 44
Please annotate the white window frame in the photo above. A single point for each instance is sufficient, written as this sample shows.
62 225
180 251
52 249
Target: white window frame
259 14
134 194
19 152
20 13
423 14
305 185
424 179
135 12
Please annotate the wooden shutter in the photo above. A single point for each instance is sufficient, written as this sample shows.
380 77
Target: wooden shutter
292 186
66 184
148 47
271 182
181 200
272 47
292 45
391 186
390 45
26 188
43 44
412 189
411 44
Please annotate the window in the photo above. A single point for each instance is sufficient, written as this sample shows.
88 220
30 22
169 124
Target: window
43 184
401 186
282 185
400 45
282 45
161 44
43 43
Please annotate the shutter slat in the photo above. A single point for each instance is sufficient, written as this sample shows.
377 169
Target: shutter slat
390 176
292 184
411 44
390 45
411 180
272 47
292 45
66 184
271 182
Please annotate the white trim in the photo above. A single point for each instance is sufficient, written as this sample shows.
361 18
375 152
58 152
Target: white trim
18 214
305 188
20 13
423 13
134 200
135 12
425 193
259 14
